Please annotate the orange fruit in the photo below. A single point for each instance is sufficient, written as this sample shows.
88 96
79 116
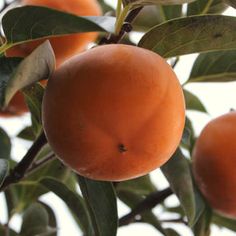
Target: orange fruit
114 113
214 161
64 46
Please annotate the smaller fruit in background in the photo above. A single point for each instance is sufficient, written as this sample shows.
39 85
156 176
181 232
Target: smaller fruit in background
114 113
63 46
214 162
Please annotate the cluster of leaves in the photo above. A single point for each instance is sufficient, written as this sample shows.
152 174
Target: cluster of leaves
169 30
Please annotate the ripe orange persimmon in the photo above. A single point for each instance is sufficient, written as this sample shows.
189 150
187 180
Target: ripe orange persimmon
214 161
114 113
64 46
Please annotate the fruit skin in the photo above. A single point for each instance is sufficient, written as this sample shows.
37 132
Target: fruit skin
214 161
16 107
64 46
114 113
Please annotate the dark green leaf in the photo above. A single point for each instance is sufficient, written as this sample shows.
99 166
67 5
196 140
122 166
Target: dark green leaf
8 67
141 186
73 201
193 102
31 22
191 35
222 221
132 199
3 170
101 202
5 145
34 98
35 221
37 66
171 232
214 67
51 218
202 7
178 174
153 2
202 226
27 133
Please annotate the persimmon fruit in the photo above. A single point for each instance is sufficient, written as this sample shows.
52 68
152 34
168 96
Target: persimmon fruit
114 112
214 161
67 45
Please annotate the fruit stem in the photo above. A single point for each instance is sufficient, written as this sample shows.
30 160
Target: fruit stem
20 169
118 9
121 18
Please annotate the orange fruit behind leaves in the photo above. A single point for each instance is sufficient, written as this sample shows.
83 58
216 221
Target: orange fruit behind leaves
214 161
114 113
63 46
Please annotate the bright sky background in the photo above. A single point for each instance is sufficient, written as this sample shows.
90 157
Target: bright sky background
218 98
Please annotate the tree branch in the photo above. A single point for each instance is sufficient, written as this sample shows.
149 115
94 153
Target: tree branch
126 28
20 169
148 203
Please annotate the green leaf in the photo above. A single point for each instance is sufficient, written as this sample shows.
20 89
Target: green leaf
171 12
178 174
73 201
132 199
5 145
34 98
222 221
8 67
37 66
31 22
51 218
27 133
202 226
105 6
217 66
141 186
202 7
154 15
171 232
192 102
35 221
101 202
188 138
3 170
191 35
153 2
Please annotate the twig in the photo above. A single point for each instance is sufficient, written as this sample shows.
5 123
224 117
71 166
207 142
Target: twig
20 169
37 165
179 220
148 203
126 28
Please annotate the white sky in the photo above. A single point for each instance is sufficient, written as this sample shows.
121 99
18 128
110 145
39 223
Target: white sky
218 99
